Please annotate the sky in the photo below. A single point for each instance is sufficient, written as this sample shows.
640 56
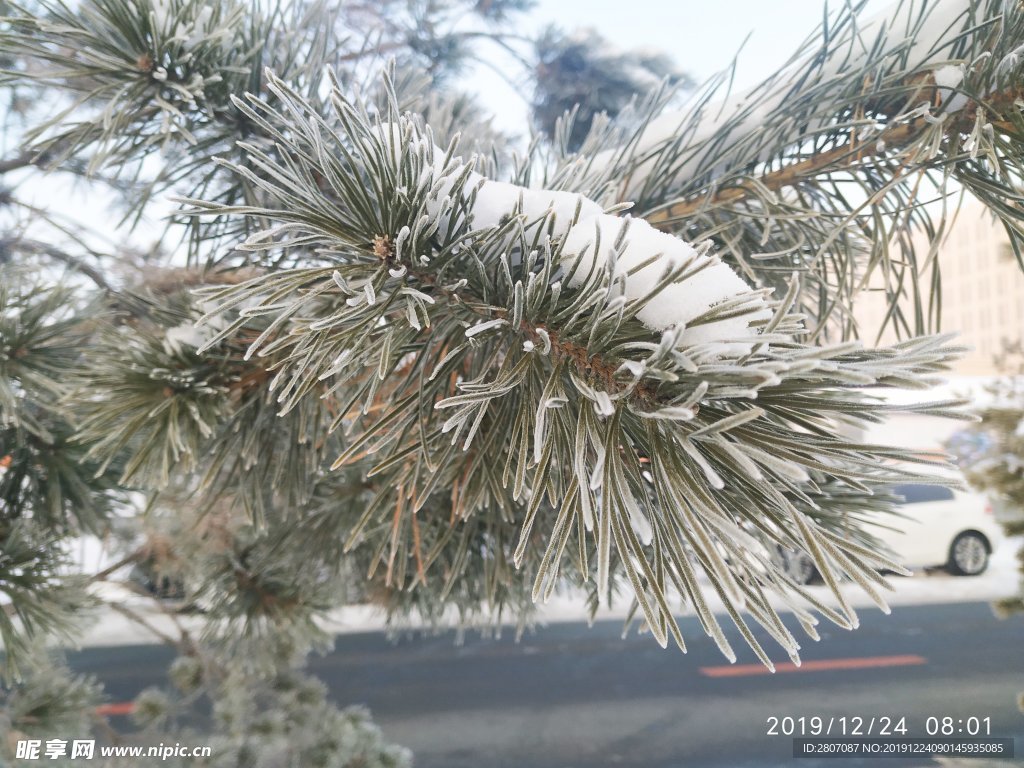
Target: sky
703 37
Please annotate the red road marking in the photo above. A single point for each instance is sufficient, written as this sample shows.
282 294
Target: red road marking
742 670
123 708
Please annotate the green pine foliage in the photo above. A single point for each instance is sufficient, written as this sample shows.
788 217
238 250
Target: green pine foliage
283 717
991 454
51 700
48 488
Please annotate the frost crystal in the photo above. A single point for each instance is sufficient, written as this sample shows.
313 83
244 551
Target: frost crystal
485 326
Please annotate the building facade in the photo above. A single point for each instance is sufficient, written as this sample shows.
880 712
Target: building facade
982 290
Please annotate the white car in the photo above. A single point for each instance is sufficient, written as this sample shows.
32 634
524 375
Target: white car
940 526
936 526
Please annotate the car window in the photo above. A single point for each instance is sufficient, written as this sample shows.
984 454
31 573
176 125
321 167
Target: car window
917 494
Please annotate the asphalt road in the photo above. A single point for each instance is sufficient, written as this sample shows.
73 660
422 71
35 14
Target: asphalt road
572 697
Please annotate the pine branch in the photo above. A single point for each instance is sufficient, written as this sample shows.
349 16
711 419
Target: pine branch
139 79
39 248
136 618
49 700
17 162
389 221
862 60
129 559
884 144
791 176
509 374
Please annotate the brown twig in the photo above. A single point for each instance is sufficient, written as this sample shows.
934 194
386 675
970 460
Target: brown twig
17 162
127 560
893 137
586 362
40 248
133 616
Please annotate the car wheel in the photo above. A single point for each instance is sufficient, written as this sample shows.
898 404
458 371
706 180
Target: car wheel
968 556
797 565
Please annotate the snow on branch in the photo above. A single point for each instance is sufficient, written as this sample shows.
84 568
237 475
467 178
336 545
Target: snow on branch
914 36
678 286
